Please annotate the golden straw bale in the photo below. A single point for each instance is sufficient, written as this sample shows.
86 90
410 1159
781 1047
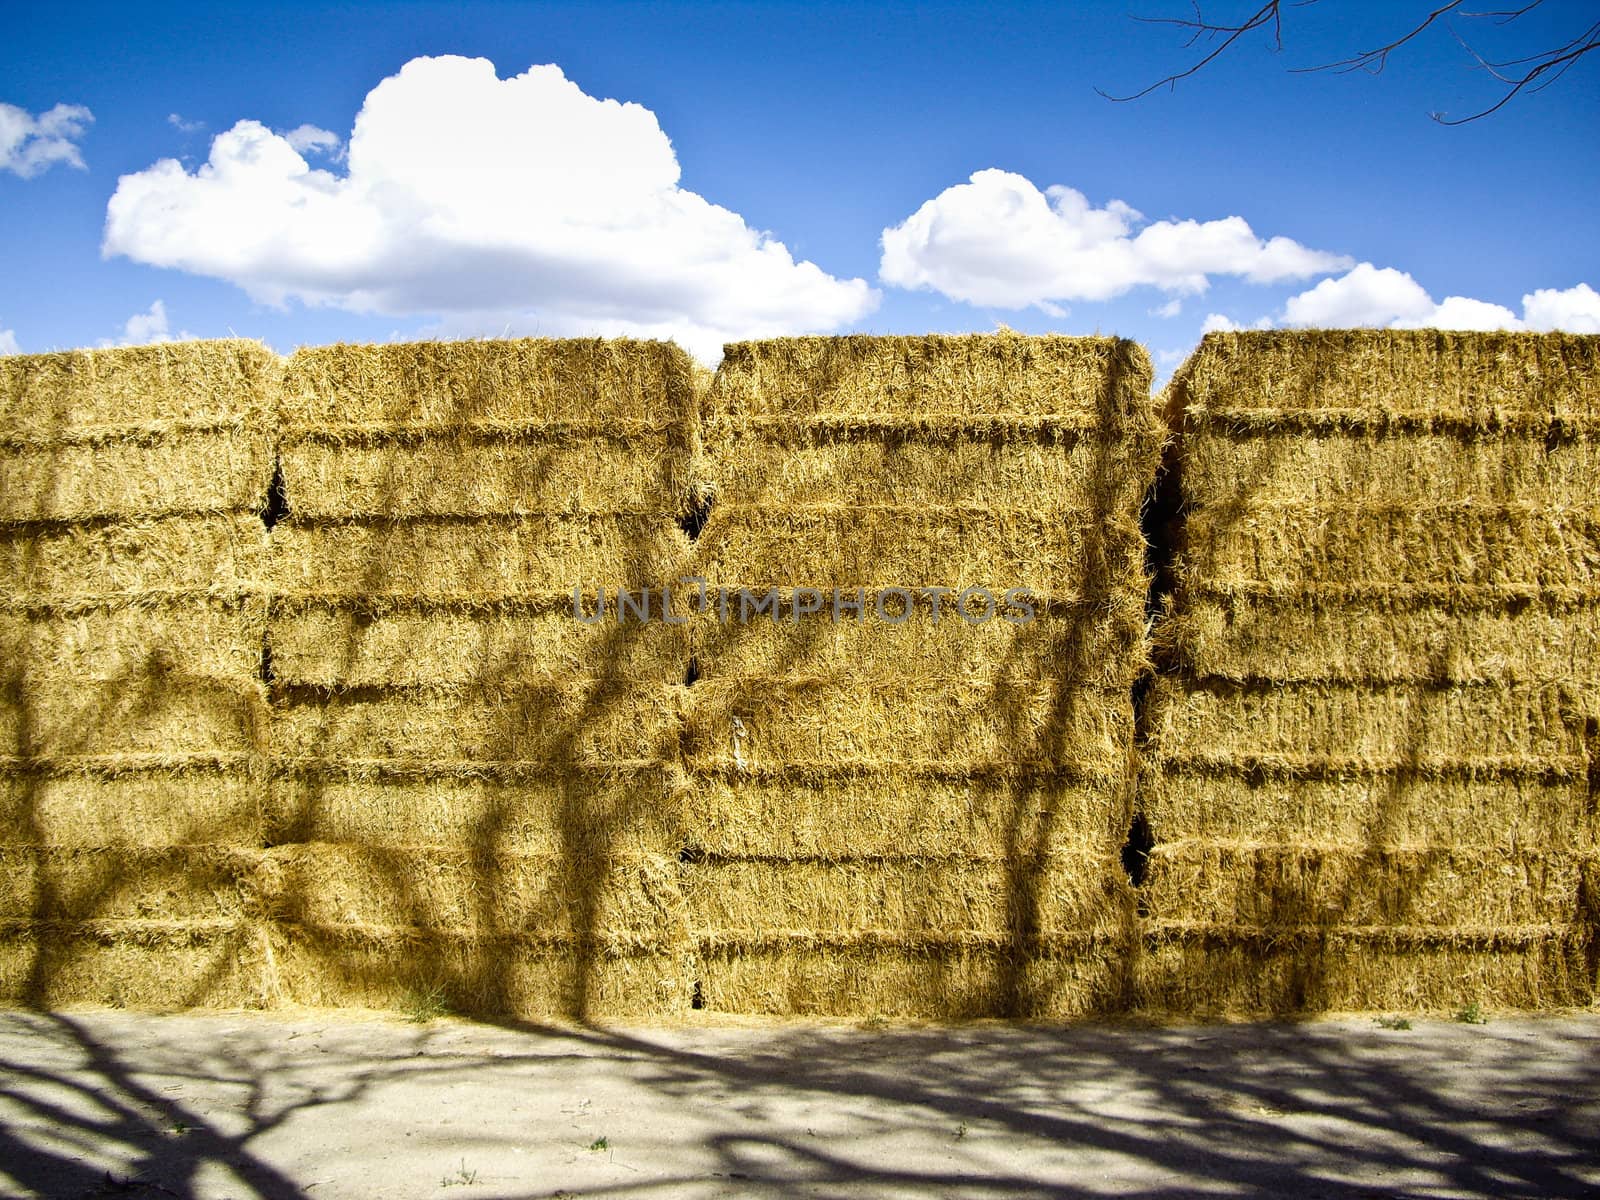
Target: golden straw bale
538 559
1430 372
1198 970
115 803
46 397
618 383
612 810
332 647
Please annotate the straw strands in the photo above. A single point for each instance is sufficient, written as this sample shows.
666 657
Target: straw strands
918 811
1369 777
466 780
316 683
131 712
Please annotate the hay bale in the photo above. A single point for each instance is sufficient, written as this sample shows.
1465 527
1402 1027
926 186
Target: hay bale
92 392
1324 728
906 899
160 560
197 474
118 802
158 713
828 812
931 377
215 638
175 428
1367 777
1239 470
1468 547
1426 373
585 382
1304 637
533 471
498 976
1287 885
1389 806
536 560
328 647
472 892
610 810
148 964
885 978
895 545
1080 644
1237 971
898 726
122 883
1057 463
530 722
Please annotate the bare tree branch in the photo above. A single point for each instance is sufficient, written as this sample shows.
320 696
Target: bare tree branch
1375 60
1268 14
1543 70
1532 73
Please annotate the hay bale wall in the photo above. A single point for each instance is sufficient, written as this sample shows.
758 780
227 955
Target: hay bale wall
470 788
904 815
131 710
294 705
1371 771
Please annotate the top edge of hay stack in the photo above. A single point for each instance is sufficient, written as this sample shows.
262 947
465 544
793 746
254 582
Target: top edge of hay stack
561 381
933 376
44 397
1423 372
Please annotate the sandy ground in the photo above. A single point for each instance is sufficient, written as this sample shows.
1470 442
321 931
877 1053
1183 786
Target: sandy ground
330 1105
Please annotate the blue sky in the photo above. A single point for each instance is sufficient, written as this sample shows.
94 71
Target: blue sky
772 169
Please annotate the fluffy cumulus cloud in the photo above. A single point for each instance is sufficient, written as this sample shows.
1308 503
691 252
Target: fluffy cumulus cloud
488 204
1576 310
146 328
8 342
999 241
1217 323
1375 297
31 144
309 139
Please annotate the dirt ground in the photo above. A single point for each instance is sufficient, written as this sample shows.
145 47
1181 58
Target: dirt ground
326 1105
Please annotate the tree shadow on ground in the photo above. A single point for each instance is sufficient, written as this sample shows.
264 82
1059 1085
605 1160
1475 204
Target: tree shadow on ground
102 1104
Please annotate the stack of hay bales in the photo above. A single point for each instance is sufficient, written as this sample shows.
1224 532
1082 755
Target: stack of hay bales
472 788
131 709
1371 775
897 815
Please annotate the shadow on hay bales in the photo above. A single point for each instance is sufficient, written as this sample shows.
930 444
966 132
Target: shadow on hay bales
296 709
1365 758
922 817
128 711
470 786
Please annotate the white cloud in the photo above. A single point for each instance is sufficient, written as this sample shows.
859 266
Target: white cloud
1218 323
1576 310
1170 309
182 126
1373 297
308 139
484 203
146 328
999 241
1365 296
1462 312
8 342
30 144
